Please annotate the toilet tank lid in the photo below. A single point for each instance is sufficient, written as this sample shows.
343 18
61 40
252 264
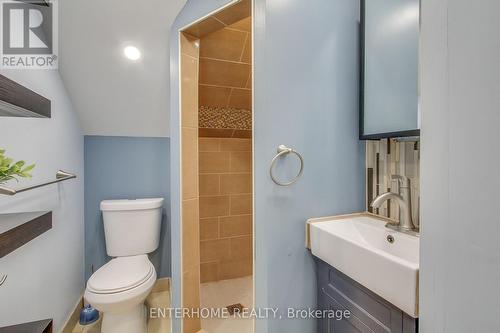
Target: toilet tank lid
135 204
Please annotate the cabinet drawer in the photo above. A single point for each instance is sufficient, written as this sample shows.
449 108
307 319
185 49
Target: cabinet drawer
369 312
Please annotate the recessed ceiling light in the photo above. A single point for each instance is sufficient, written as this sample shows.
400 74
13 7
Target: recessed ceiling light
132 52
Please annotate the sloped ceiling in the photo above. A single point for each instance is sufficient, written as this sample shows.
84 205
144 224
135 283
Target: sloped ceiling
113 95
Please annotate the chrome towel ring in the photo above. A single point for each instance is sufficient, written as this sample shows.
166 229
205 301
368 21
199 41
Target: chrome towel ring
284 150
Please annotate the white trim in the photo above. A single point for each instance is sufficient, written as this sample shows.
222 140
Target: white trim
229 4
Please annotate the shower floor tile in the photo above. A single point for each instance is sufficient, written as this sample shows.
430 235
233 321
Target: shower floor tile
221 294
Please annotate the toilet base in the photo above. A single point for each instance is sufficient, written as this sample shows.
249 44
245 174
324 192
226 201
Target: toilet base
130 321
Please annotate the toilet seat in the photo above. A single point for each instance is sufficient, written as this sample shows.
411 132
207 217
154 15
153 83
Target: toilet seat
121 274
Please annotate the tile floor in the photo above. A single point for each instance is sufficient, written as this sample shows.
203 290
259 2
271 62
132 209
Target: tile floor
160 299
221 294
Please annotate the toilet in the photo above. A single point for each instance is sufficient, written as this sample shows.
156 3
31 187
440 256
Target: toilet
119 288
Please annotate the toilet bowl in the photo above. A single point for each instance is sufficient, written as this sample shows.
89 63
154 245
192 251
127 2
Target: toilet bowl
119 288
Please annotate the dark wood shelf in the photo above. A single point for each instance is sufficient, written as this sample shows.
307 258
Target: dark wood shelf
16 237
19 101
41 326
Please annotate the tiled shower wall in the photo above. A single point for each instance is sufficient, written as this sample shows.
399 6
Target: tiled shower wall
225 86
388 157
225 152
225 208
190 192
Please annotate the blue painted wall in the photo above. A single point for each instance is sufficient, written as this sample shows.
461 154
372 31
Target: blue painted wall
125 168
306 73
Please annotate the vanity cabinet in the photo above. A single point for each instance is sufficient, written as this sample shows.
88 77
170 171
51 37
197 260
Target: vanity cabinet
368 311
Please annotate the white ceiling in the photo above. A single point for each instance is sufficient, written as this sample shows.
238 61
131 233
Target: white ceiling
113 95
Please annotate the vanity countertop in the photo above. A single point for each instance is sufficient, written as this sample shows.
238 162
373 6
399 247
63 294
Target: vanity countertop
381 259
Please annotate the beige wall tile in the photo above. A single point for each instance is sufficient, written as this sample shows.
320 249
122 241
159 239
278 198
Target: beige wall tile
241 99
189 91
209 184
241 247
248 85
214 162
234 13
236 183
235 269
215 132
244 134
208 144
223 44
247 51
236 145
188 45
204 27
213 96
214 206
223 73
241 162
230 226
190 233
243 25
241 204
214 250
189 163
209 272
191 325
191 295
209 228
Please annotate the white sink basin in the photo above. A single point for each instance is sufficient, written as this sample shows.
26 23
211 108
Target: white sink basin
357 245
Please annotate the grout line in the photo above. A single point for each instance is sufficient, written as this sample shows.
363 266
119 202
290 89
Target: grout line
244 47
223 86
189 56
246 83
223 238
224 60
225 216
226 173
218 183
235 29
222 195
229 97
215 18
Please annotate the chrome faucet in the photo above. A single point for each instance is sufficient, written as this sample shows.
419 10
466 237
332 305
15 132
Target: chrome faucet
404 202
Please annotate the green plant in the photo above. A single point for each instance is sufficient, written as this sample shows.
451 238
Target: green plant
13 170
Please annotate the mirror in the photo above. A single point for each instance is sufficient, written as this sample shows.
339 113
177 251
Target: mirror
389 69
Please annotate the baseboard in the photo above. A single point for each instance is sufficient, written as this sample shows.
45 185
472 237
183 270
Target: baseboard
162 284
73 318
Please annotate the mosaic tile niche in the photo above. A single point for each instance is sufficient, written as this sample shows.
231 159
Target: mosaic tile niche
388 157
225 84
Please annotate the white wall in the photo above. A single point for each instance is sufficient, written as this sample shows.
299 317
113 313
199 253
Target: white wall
45 276
113 95
460 178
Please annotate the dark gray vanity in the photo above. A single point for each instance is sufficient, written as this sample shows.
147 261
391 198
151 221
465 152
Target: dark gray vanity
368 311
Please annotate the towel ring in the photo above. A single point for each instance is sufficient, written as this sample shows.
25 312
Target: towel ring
284 150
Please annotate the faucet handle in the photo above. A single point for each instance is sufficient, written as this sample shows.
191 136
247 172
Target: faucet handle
402 180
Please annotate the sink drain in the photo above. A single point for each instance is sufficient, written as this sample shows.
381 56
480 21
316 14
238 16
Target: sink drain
390 239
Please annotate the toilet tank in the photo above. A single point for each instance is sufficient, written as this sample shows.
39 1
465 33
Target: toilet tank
131 227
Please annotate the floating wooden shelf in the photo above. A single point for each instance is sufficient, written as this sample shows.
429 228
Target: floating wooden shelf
16 237
36 2
41 326
19 101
